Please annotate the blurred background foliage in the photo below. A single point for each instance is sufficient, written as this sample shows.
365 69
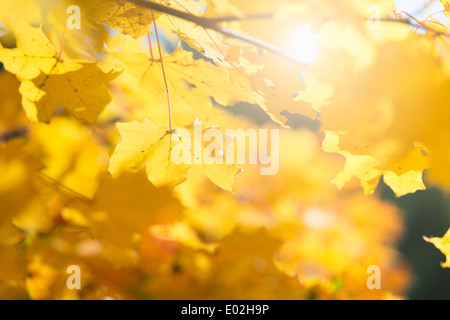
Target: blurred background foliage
425 212
139 240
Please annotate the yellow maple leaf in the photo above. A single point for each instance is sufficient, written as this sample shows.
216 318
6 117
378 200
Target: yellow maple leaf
145 143
208 42
443 244
33 53
191 83
80 87
406 183
404 176
48 82
122 15
84 43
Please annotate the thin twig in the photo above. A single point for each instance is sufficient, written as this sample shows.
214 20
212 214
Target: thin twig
163 72
408 23
210 37
62 44
150 47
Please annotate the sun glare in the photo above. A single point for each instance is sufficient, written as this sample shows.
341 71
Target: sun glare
305 45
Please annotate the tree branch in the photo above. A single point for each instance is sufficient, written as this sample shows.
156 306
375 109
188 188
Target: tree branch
423 25
213 24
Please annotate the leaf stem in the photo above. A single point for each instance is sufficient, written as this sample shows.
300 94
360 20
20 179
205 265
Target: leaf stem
62 44
150 46
163 72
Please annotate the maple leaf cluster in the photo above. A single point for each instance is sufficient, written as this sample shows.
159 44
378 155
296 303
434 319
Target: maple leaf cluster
89 118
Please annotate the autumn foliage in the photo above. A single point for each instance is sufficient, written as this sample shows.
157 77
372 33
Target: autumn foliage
89 117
